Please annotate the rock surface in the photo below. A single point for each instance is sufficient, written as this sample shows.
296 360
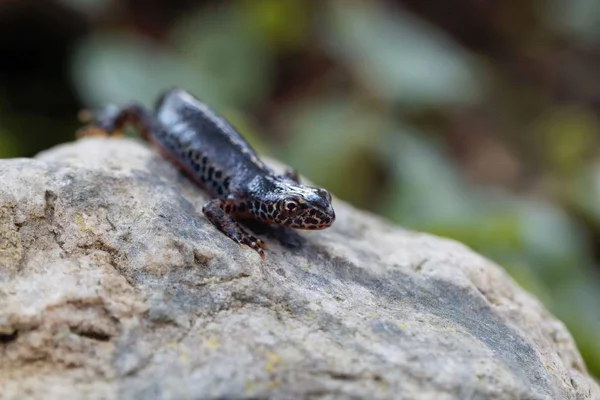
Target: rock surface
114 286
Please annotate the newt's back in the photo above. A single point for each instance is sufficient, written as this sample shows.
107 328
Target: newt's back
201 139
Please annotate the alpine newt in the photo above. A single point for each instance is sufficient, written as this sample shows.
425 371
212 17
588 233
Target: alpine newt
209 151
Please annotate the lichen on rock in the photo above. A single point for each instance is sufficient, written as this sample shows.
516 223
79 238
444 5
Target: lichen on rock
114 286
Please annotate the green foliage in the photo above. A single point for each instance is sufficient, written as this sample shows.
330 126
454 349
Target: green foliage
578 18
331 138
120 68
401 58
227 53
8 144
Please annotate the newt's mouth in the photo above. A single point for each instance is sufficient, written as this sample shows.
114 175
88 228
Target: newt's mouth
315 219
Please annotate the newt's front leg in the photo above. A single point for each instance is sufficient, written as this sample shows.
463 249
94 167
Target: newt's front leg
218 212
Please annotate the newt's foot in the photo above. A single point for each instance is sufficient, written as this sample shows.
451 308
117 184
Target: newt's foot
90 131
255 244
214 211
103 123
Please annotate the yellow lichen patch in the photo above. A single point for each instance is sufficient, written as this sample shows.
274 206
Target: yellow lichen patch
11 247
273 359
80 222
307 267
211 343
309 316
184 358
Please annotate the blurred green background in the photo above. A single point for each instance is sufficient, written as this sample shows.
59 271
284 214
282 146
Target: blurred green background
474 120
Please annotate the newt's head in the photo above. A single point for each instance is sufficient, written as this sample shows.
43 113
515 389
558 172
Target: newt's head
294 205
305 208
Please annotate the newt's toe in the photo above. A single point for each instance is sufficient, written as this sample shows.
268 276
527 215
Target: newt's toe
91 131
256 245
261 254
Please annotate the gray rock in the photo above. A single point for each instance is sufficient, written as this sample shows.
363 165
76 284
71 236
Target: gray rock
114 286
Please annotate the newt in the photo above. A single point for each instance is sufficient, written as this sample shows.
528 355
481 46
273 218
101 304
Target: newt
214 155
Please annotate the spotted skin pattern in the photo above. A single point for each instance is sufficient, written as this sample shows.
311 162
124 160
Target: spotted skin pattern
207 149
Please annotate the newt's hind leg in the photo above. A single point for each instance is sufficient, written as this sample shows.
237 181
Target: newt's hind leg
111 120
218 212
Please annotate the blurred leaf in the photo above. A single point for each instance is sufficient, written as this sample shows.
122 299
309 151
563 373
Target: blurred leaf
552 240
401 58
415 163
222 47
578 18
219 59
284 23
582 193
330 138
118 69
567 136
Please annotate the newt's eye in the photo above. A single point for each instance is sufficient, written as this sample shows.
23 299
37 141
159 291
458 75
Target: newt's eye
290 205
